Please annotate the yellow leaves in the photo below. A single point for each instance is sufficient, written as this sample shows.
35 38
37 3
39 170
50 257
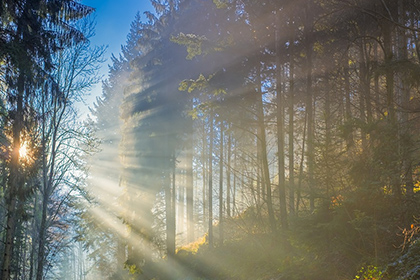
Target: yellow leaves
387 190
194 246
416 186
220 4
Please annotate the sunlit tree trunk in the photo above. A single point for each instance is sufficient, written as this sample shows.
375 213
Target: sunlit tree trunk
291 129
301 164
204 161
170 207
308 44
210 179
181 204
221 205
261 138
235 166
259 173
190 183
228 173
280 129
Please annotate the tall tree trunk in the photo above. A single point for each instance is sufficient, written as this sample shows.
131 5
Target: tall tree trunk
221 236
363 77
235 166
169 209
302 160
259 173
190 185
173 205
47 182
348 114
18 248
280 130
34 236
291 130
210 175
261 138
328 148
204 161
377 94
14 181
394 173
180 217
228 167
308 41
389 72
405 103
41 248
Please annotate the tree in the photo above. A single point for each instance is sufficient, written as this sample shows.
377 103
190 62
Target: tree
28 50
76 71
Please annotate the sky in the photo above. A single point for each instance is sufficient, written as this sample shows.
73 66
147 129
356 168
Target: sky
113 19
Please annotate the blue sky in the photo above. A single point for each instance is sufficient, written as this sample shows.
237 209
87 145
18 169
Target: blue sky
113 19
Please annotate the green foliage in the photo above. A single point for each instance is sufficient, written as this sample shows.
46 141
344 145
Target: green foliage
193 43
132 268
369 272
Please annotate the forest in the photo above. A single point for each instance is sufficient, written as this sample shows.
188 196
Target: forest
233 139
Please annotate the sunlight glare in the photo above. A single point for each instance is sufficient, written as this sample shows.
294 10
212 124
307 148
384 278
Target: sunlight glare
23 151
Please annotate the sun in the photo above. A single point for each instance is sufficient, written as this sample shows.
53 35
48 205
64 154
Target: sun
23 151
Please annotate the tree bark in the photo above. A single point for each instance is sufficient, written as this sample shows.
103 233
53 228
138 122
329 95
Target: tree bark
190 186
228 179
210 175
14 181
261 138
308 41
221 237
280 130
291 130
